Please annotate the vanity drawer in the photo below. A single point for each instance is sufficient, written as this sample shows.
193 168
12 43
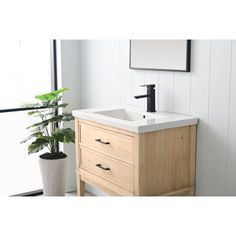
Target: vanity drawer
108 168
108 142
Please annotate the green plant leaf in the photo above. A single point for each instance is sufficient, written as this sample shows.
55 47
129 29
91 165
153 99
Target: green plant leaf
49 114
32 113
63 105
55 100
50 96
32 105
57 118
66 135
41 124
47 138
33 135
46 103
52 102
44 123
56 106
37 145
67 117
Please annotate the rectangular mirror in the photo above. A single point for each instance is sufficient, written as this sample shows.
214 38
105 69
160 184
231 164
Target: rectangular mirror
167 55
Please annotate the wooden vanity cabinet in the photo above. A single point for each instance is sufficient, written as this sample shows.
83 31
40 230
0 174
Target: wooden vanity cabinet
124 163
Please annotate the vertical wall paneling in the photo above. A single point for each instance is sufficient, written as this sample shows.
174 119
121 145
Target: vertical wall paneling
166 91
104 72
95 75
86 73
87 76
114 75
182 92
82 74
231 164
125 73
200 66
218 116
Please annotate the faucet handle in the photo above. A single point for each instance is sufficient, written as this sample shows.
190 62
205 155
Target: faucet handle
148 85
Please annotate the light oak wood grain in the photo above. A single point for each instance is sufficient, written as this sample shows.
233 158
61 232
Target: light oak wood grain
105 185
119 173
105 127
192 155
120 145
182 192
79 182
163 161
148 164
80 186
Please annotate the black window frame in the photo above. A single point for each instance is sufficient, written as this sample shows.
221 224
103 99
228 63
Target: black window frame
54 83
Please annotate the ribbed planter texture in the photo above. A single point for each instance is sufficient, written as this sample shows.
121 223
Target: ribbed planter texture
53 176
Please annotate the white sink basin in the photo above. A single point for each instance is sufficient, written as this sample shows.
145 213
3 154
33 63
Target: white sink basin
133 119
124 114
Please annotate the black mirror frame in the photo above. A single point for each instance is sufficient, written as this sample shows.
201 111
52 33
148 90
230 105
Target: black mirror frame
188 60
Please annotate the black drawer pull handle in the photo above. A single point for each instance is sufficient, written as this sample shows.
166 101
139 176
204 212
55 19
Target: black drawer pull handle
100 166
100 141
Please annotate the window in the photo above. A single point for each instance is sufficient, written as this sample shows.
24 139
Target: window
25 71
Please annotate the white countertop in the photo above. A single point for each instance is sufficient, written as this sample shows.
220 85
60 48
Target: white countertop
153 121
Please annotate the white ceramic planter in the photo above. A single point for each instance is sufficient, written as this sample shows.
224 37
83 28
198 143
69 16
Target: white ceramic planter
53 176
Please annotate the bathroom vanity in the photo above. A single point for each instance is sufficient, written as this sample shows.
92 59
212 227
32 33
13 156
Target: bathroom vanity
127 152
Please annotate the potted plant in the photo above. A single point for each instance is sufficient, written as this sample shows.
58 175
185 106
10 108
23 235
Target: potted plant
46 134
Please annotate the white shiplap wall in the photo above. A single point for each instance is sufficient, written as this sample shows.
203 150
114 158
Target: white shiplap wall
208 92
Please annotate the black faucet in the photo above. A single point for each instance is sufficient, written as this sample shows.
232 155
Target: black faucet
150 97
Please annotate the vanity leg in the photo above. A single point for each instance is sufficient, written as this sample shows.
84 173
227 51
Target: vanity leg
80 186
